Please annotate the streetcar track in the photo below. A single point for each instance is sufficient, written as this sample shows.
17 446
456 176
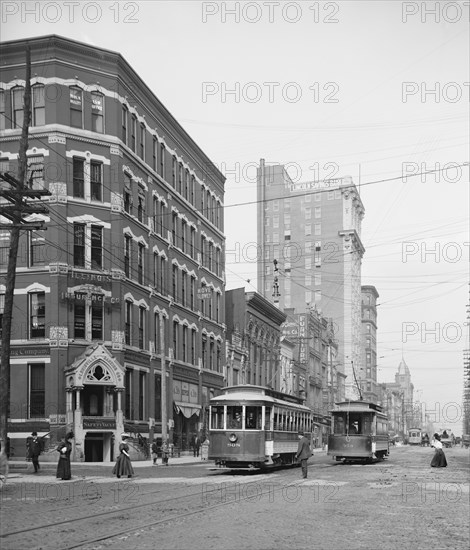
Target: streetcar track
158 522
101 514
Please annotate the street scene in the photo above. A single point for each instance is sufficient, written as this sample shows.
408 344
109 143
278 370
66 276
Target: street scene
234 274
400 502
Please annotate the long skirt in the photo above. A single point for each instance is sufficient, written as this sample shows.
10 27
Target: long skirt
439 459
123 466
63 468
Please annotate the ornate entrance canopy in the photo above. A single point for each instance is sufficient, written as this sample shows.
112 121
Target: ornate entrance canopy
96 367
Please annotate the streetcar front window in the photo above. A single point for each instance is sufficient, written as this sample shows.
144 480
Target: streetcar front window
253 418
234 417
217 417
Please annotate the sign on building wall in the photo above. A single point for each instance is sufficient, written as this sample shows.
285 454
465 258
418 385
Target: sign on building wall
303 341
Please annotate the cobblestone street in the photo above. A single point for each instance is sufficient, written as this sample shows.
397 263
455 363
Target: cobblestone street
398 503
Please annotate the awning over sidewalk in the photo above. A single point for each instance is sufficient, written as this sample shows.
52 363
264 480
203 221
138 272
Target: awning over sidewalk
187 409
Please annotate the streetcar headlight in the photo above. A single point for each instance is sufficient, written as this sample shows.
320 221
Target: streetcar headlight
232 438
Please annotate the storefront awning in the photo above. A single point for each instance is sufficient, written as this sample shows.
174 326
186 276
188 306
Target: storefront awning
187 409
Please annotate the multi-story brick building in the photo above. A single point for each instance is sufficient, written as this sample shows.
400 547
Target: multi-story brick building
127 280
313 231
253 339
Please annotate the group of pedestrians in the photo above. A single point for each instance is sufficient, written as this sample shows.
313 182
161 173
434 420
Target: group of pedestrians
35 447
304 453
123 466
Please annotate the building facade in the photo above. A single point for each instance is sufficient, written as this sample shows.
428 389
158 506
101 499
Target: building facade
397 399
126 284
313 230
253 339
315 358
367 372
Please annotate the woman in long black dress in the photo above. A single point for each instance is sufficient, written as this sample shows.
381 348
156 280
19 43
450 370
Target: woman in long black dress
439 458
123 466
65 449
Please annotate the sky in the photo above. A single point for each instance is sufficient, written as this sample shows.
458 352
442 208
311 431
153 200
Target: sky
377 90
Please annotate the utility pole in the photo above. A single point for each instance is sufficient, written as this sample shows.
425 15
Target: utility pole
19 195
163 383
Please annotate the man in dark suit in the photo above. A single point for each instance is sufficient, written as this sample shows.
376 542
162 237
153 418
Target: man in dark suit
303 453
34 449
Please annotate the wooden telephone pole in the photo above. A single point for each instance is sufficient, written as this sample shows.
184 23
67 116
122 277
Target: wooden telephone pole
20 194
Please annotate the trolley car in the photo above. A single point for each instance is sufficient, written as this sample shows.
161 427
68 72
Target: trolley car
414 436
254 427
360 432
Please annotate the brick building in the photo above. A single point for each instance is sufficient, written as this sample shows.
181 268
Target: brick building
128 277
253 339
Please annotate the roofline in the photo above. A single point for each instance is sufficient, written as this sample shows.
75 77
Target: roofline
93 50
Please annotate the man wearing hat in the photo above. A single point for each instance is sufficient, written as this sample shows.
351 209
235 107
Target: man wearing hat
34 450
303 453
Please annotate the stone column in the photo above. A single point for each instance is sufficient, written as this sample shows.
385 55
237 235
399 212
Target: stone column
68 406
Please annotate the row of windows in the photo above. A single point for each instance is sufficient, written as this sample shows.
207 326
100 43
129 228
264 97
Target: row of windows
257 417
133 134
88 325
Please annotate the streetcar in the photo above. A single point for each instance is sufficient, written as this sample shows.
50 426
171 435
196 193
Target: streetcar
414 436
254 427
360 432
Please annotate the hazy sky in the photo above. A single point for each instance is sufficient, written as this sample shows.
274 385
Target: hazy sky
376 90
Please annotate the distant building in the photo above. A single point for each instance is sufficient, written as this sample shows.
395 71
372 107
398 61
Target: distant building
128 278
312 230
314 365
397 398
367 371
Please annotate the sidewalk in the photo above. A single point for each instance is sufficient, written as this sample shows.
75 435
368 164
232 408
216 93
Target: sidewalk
21 465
